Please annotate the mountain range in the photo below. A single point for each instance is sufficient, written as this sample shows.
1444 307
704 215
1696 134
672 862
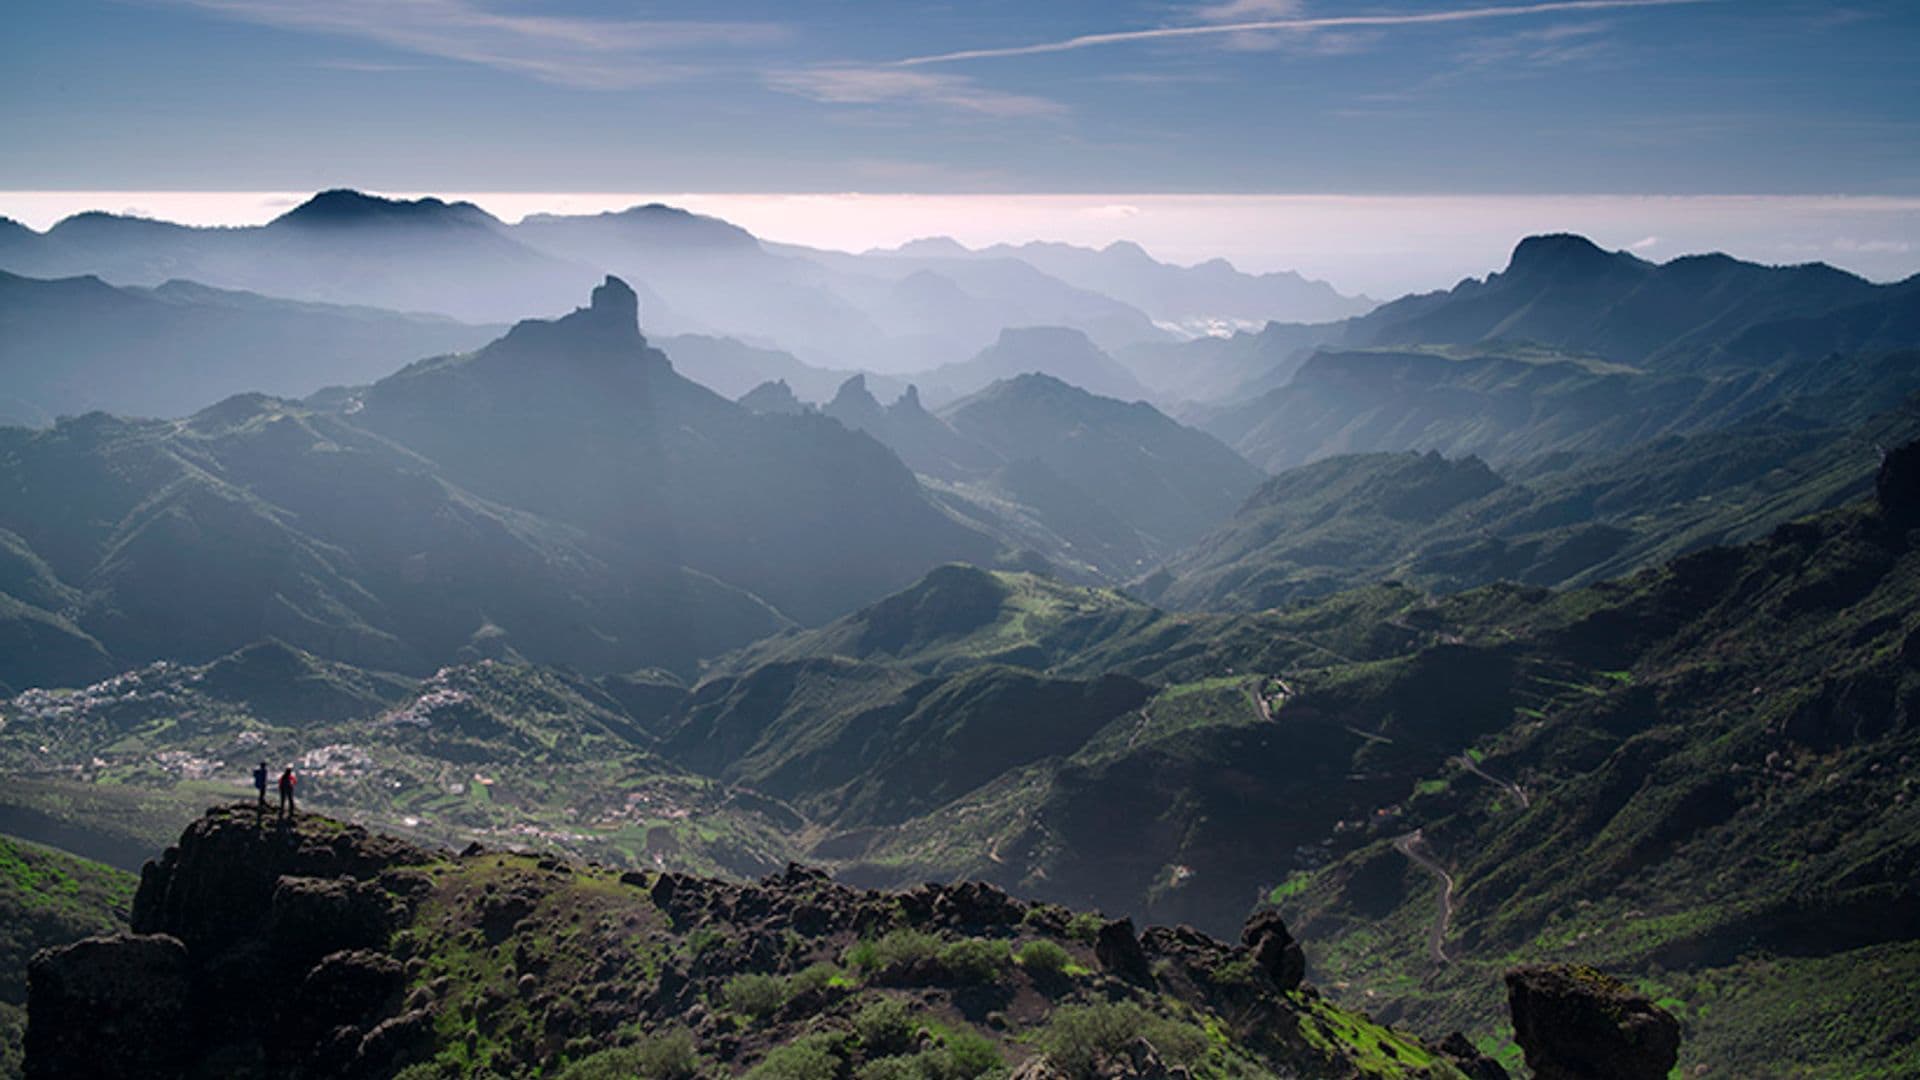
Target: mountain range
1563 617
696 274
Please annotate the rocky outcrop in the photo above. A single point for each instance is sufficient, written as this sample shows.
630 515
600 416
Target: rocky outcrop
316 951
111 1006
218 884
1119 951
259 943
773 396
1576 1023
1274 949
1897 484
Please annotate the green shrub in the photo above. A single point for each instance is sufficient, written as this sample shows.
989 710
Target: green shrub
1044 957
974 960
814 1057
758 996
890 1068
667 1056
1077 1037
897 947
885 1028
863 955
1085 927
813 977
964 1056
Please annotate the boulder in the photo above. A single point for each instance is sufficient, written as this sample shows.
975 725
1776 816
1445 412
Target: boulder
1274 950
1118 950
974 904
111 1006
352 987
1576 1023
311 917
1138 1060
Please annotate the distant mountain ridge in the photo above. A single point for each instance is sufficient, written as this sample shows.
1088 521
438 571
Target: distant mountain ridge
1562 291
1093 485
78 344
1203 298
555 494
1569 348
696 275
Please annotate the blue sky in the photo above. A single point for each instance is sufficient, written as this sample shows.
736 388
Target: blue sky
1229 96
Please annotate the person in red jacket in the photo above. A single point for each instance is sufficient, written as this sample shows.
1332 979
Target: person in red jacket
287 781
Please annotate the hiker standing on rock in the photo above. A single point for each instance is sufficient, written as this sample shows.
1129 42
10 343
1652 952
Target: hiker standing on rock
260 783
287 780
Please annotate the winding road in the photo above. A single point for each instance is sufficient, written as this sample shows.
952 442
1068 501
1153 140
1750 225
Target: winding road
1516 790
1411 845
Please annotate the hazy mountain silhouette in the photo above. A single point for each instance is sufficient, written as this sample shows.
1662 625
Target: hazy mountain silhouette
580 419
772 397
1167 481
78 344
1563 292
1202 298
1060 352
1575 349
338 247
731 367
695 275
560 495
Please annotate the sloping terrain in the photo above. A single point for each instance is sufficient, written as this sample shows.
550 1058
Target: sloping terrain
1167 481
1568 349
1556 520
47 898
319 950
561 495
1698 776
78 345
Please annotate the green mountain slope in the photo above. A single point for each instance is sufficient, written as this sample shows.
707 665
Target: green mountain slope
47 898
1555 520
1707 781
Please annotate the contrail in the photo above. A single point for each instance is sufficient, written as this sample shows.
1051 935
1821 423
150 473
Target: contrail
1121 37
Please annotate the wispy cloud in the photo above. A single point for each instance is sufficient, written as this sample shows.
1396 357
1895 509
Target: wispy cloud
854 85
566 50
1228 11
1293 23
1548 47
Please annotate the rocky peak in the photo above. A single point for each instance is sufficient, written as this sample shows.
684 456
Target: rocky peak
346 207
610 323
855 406
615 303
772 396
1564 255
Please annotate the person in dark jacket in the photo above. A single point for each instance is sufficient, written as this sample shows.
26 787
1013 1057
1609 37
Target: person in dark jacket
260 783
287 781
